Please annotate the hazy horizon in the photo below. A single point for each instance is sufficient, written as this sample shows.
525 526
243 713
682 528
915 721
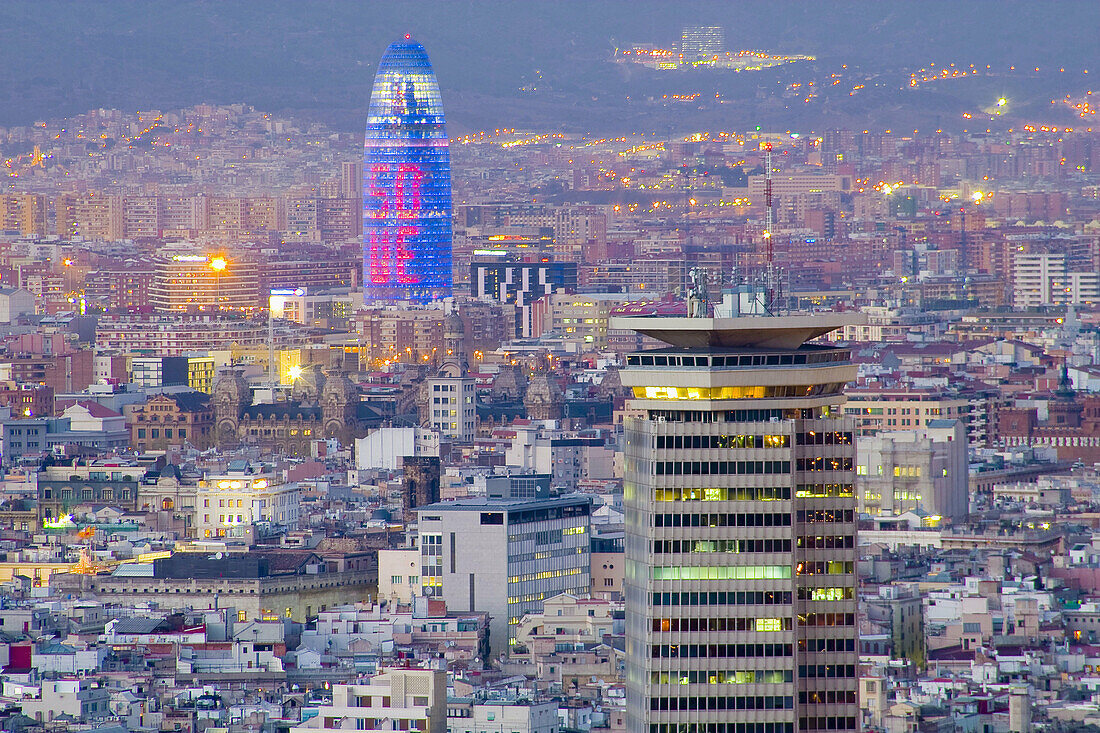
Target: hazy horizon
316 60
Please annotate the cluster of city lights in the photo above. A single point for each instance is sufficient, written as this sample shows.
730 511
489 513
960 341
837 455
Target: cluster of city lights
1081 105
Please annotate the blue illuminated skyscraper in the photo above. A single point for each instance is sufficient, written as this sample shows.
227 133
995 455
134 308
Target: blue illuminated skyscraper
406 182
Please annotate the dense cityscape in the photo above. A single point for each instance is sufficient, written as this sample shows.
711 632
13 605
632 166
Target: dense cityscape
532 430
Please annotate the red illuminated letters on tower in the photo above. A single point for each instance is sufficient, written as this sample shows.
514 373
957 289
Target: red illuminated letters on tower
399 192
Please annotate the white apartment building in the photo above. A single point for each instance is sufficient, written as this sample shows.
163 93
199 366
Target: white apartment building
396 700
908 470
399 574
452 407
228 504
890 324
538 448
384 448
1045 279
502 716
566 623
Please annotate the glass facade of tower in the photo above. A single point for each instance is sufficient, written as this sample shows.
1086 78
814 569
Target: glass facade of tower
740 530
406 182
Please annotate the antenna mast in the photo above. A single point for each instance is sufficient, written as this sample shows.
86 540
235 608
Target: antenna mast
771 283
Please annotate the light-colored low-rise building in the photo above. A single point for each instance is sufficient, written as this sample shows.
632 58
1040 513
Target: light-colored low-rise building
566 623
231 501
466 715
399 574
920 469
396 700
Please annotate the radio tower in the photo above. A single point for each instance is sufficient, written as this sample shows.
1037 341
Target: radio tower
771 284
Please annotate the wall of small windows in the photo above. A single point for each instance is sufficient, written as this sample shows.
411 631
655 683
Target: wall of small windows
724 598
758 624
727 546
826 594
706 442
722 468
741 493
723 572
720 651
753 702
824 491
817 516
827 619
830 567
745 392
719 677
777 727
722 520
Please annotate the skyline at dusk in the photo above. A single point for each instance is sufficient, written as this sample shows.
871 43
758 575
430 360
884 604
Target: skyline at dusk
554 367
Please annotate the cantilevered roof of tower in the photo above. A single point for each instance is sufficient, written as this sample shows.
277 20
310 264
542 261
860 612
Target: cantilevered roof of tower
745 332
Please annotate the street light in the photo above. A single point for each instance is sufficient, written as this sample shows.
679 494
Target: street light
218 265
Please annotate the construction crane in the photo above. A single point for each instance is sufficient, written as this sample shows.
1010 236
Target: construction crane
86 565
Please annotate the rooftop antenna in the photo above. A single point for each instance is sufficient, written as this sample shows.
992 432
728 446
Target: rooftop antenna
697 294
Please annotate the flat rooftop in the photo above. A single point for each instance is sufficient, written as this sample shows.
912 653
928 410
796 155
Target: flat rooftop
743 332
482 504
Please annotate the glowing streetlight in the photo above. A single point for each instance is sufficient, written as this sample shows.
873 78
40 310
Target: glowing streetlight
218 265
295 372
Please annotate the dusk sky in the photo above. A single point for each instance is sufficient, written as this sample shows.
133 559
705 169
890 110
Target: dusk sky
317 58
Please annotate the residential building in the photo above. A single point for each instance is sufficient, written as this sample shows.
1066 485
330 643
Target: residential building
263 585
399 574
196 372
471 715
538 448
396 700
112 482
15 302
197 282
877 410
28 436
23 213
566 623
1046 279
80 700
451 407
172 420
581 319
230 502
922 469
